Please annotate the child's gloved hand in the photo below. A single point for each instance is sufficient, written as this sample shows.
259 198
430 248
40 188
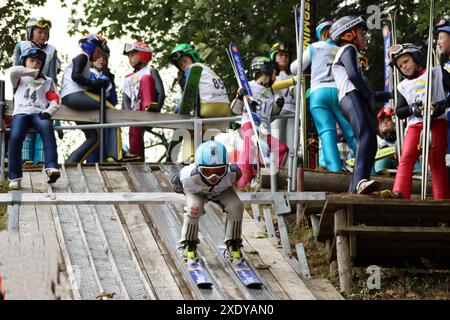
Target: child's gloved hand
440 107
104 77
177 184
45 115
280 102
416 109
241 93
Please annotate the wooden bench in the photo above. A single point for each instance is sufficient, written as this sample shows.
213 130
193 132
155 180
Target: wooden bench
367 230
120 116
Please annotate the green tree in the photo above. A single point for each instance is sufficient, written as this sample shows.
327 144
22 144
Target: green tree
14 15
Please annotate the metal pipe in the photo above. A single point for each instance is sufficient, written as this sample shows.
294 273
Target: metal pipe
298 102
102 118
2 131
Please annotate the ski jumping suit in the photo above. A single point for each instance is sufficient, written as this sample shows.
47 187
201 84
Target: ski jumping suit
31 97
214 103
283 129
411 91
77 93
266 107
354 99
112 135
140 89
198 192
33 149
324 104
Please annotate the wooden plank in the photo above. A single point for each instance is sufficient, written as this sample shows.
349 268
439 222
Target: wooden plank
384 230
269 226
120 116
27 214
288 279
143 198
152 259
343 253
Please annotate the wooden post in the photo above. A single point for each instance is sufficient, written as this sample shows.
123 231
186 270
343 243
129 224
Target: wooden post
300 188
343 252
352 239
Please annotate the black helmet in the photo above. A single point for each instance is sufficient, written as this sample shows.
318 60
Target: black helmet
398 50
340 29
262 65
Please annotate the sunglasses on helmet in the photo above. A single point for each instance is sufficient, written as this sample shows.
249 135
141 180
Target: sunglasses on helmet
129 47
177 55
209 172
44 23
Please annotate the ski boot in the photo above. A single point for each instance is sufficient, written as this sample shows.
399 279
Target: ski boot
53 174
233 249
190 250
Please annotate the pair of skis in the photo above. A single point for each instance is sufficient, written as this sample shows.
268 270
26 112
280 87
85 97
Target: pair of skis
240 267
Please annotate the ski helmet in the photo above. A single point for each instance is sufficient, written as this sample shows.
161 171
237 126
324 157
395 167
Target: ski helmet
344 28
262 65
37 22
322 27
279 47
385 113
398 50
145 53
90 41
34 53
443 25
183 50
211 159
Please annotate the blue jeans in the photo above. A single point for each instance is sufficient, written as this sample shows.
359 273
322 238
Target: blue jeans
326 112
20 124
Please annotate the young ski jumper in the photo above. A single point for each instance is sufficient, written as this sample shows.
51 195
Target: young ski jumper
283 129
79 92
386 138
38 34
35 101
112 135
443 30
411 93
143 90
210 178
213 97
355 98
324 104
264 106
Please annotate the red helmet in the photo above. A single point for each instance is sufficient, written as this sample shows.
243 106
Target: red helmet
145 53
385 112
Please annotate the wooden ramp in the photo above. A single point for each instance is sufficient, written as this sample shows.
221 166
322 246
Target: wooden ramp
129 251
367 230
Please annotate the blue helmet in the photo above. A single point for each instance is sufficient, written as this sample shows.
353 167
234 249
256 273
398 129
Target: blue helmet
321 27
443 25
211 154
34 53
89 42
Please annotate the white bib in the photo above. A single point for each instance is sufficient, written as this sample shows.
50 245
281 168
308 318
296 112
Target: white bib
344 85
30 96
69 86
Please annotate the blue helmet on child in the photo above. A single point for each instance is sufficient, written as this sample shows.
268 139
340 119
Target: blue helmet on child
321 27
211 158
34 53
90 41
443 25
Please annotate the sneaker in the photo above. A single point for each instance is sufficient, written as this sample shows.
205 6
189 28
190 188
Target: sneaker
233 250
53 174
15 184
190 250
367 186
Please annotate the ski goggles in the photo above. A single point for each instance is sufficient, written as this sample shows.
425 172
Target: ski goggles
398 49
177 55
43 23
279 46
210 172
129 47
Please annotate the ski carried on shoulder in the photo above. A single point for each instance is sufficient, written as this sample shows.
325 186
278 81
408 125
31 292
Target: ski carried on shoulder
381 154
243 271
196 271
239 71
190 92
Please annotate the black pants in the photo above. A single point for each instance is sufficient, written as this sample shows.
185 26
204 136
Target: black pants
80 101
357 111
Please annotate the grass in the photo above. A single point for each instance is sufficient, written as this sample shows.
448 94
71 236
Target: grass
3 209
395 283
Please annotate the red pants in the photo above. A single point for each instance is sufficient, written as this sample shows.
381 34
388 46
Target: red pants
247 157
136 134
411 152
